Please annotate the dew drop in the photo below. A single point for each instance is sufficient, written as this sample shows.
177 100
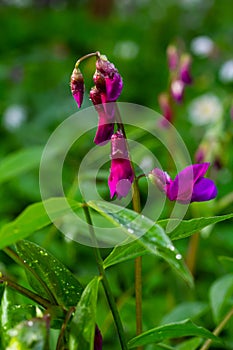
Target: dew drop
171 247
130 230
178 256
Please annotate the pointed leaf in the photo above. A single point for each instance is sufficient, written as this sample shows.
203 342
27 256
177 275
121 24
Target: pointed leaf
170 331
48 276
19 162
190 310
220 293
186 228
82 327
33 218
154 241
29 335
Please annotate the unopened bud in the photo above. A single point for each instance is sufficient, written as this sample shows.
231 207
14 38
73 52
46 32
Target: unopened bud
172 57
77 86
185 64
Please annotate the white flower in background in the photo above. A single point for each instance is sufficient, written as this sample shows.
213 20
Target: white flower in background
226 72
202 46
205 109
13 117
127 50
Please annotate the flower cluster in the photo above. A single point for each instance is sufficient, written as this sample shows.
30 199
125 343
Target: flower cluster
179 66
108 86
179 76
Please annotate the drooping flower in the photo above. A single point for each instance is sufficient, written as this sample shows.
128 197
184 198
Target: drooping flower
166 109
185 65
108 87
189 185
172 57
106 118
111 81
177 90
121 172
77 86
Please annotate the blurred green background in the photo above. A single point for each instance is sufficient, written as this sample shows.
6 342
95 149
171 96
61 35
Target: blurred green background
40 43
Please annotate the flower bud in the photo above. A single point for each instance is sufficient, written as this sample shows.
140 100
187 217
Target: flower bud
185 64
177 90
172 57
77 86
121 172
165 107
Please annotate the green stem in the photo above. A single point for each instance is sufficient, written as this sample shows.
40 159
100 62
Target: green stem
92 54
138 261
218 329
26 292
138 267
105 283
60 341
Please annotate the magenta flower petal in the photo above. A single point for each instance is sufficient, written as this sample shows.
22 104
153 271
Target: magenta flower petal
114 87
104 131
177 90
121 177
204 190
77 86
181 188
185 65
121 173
188 186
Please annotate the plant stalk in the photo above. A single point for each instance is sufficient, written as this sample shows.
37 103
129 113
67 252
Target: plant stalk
26 292
138 267
218 329
106 286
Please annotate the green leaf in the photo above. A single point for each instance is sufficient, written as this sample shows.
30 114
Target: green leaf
185 310
19 162
170 331
191 344
154 241
48 276
82 327
220 293
33 218
29 335
12 314
186 228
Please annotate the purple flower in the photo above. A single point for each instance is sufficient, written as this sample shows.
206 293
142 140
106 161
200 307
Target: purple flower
121 172
185 64
98 339
106 117
166 109
172 57
77 86
188 186
107 79
177 90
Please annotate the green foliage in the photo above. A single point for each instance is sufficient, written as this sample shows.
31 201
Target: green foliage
32 219
82 326
172 330
57 283
154 240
